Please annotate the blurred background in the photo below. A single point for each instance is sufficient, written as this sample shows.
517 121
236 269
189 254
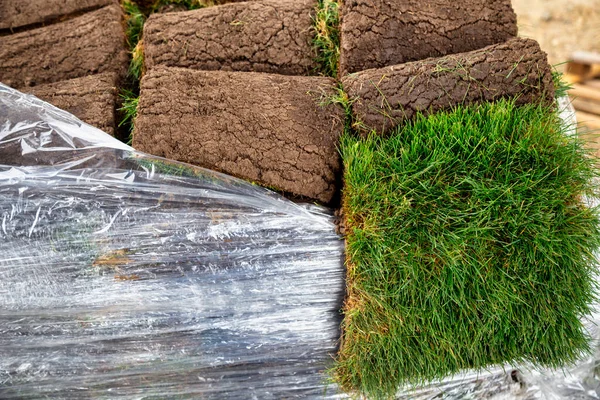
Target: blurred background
569 31
562 27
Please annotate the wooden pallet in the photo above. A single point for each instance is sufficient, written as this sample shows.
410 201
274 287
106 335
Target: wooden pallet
586 100
584 75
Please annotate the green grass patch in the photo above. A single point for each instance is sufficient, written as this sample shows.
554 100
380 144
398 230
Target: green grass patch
170 167
128 111
134 20
561 86
341 99
136 65
326 41
468 245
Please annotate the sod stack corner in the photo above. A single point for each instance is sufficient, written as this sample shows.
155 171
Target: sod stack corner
468 242
265 128
272 36
378 33
386 97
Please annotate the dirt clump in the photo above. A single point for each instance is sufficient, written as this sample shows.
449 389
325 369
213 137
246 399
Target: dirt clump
272 36
385 97
18 14
266 128
88 44
379 33
91 99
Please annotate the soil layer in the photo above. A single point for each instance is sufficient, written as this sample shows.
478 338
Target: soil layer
91 99
385 97
89 44
272 36
17 14
266 128
378 33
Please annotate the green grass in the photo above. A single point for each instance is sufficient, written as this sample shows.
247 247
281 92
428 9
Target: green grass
326 41
134 19
170 167
136 65
128 111
341 99
561 87
468 244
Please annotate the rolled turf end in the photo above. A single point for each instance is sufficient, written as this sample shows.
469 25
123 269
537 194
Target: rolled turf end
469 244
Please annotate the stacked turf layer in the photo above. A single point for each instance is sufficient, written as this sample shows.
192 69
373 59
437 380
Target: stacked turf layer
468 244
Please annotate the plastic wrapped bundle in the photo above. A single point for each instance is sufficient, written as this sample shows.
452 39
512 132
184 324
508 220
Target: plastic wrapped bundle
127 276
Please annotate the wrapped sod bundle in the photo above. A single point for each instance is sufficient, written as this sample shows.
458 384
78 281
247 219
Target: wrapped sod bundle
124 275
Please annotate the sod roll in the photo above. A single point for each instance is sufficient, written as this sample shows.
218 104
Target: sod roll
91 43
378 33
265 128
91 98
17 14
385 97
271 36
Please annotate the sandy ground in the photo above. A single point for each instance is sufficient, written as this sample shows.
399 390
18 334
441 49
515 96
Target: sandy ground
560 26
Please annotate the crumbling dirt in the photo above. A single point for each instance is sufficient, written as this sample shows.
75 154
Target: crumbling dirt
272 36
89 44
379 33
265 128
387 96
91 99
21 13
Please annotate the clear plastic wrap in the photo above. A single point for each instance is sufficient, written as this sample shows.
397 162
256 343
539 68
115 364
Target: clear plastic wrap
124 275
129 276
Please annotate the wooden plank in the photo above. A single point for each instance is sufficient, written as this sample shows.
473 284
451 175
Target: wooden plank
594 84
584 66
587 92
588 106
586 57
579 73
591 121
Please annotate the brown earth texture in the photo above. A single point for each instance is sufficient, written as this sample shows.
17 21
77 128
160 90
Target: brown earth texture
265 128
